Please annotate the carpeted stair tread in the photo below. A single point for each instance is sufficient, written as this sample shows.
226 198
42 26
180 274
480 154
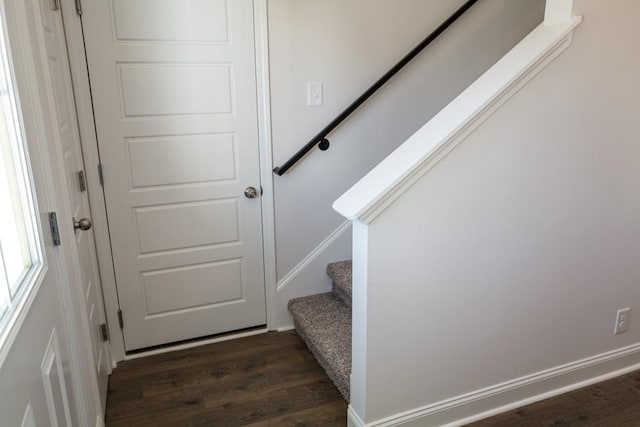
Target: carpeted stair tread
324 324
340 273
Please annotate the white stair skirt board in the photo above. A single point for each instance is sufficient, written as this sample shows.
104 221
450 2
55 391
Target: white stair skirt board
310 276
480 404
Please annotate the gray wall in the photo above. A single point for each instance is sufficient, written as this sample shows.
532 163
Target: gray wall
348 45
506 263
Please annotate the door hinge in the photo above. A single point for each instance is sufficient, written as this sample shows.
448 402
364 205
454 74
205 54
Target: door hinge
54 4
55 231
100 174
82 183
120 321
79 7
104 332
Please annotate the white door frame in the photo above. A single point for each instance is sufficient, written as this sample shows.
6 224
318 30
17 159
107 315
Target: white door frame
80 78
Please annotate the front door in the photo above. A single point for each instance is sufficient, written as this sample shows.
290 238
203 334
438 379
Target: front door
50 32
36 384
174 92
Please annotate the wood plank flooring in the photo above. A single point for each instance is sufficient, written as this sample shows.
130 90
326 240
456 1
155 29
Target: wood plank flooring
273 380
613 403
265 380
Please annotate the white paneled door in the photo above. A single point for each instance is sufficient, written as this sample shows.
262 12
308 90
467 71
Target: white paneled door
174 91
50 32
37 386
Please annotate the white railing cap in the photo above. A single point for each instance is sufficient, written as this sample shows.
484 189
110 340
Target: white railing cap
415 157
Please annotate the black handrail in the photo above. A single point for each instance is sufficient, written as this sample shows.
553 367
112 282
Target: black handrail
321 138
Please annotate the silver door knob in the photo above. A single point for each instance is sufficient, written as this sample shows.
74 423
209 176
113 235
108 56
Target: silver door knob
250 193
83 224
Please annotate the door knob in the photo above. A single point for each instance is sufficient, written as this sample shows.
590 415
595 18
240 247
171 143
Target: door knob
82 224
250 193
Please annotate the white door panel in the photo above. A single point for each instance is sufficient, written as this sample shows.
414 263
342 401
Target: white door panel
174 90
32 377
177 160
55 389
52 41
165 20
186 89
223 276
185 225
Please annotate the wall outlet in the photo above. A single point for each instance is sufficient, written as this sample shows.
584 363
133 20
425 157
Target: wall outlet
623 316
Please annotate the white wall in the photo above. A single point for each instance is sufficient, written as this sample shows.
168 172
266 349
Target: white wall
348 45
512 255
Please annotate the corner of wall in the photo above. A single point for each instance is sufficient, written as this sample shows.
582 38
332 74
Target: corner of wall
309 276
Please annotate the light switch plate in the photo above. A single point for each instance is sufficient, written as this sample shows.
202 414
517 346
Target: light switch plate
314 94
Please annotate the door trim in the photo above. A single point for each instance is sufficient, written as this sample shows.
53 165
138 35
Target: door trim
261 33
89 142
91 156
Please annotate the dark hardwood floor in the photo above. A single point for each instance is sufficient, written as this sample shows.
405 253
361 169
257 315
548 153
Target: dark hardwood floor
273 380
613 403
265 380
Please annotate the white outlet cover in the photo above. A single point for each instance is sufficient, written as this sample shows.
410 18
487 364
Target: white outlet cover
622 321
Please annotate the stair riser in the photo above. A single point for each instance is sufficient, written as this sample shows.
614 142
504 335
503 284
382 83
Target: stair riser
340 274
342 295
326 366
323 322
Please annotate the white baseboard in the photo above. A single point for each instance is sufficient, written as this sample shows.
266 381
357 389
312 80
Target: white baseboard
490 401
353 420
309 276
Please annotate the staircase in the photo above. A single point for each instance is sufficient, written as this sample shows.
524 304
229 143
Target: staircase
323 321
